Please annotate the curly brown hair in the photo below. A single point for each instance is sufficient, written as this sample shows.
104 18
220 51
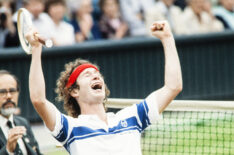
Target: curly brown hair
71 106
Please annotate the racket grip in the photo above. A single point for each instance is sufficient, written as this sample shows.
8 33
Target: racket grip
46 42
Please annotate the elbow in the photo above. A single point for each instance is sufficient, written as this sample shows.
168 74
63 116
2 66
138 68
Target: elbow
179 88
176 88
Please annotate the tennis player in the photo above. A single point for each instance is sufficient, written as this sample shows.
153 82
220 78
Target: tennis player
88 129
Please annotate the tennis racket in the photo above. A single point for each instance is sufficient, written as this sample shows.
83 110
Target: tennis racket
24 23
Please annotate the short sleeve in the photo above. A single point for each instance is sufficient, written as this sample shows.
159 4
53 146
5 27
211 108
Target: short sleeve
153 113
60 131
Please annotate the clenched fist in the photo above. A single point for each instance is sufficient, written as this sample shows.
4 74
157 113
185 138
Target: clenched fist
161 30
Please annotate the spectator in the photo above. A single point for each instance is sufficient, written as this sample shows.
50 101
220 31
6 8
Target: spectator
16 136
111 24
165 10
134 14
40 19
198 20
225 13
96 10
62 32
86 28
8 30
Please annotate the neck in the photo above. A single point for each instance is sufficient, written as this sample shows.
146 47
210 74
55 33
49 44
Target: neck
94 109
56 21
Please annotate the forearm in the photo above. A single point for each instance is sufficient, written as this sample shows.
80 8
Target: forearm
36 78
173 77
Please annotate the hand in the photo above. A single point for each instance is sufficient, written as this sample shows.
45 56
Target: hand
32 38
86 24
161 30
13 135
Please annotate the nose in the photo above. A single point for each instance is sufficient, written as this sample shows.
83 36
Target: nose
96 77
9 95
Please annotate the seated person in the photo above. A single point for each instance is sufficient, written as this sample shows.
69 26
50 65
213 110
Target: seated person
199 20
62 32
111 24
8 30
133 12
165 10
86 28
225 13
40 19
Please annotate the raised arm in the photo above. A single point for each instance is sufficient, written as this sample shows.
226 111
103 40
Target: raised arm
45 109
173 78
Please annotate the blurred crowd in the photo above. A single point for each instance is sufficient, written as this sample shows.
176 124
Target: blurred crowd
73 21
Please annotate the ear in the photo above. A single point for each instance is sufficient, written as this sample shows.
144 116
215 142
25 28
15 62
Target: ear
75 93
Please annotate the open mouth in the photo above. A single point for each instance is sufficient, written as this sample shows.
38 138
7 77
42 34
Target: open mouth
97 86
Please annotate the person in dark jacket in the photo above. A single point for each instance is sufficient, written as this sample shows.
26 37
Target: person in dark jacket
16 136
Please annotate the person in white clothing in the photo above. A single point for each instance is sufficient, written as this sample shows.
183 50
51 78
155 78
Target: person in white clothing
165 10
88 129
198 19
40 19
225 13
62 32
133 12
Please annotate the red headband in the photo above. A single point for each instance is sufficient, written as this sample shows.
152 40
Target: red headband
77 72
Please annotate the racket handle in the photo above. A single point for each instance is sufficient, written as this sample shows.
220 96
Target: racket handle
46 42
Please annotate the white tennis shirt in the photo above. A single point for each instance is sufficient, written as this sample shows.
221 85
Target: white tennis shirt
88 135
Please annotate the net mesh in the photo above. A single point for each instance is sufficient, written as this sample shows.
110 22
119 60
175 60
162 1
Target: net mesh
201 127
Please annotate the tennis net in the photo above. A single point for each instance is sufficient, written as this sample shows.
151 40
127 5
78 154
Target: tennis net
188 127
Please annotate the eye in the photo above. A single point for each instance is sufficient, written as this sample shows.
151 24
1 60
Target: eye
13 90
3 91
87 74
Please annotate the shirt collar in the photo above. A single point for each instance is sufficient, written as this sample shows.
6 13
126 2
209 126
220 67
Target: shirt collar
4 120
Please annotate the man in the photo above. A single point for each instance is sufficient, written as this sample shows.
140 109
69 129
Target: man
40 19
89 129
133 12
16 136
225 13
62 32
198 19
165 10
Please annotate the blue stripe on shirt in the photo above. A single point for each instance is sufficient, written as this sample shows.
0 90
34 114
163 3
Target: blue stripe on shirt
142 110
82 132
64 131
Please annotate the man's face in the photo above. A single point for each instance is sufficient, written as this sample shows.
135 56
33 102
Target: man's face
57 11
91 86
111 8
35 7
8 93
197 5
